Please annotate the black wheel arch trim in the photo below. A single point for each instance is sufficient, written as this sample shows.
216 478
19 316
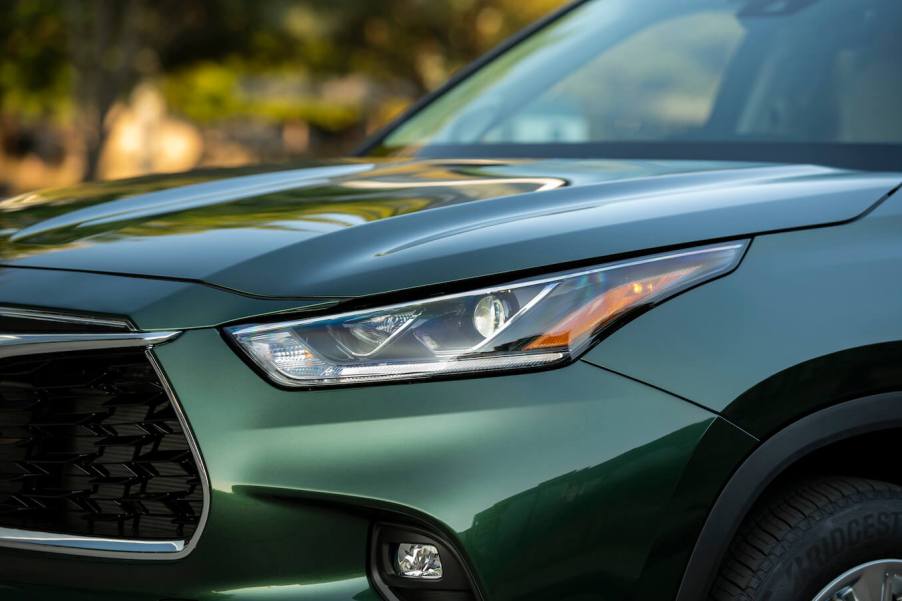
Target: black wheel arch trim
769 460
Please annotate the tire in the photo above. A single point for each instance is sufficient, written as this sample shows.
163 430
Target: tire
796 542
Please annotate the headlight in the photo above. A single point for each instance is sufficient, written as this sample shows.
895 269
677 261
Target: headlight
522 325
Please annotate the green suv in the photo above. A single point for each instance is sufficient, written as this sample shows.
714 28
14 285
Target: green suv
615 315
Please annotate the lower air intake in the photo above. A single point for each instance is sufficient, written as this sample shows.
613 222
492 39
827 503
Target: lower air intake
91 445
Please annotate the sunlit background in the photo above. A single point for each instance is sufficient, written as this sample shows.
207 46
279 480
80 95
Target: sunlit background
102 89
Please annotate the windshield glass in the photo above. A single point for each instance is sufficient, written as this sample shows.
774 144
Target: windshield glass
790 80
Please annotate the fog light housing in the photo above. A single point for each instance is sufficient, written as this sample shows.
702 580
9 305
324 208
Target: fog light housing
412 563
419 561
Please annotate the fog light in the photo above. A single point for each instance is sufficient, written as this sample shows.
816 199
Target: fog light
415 560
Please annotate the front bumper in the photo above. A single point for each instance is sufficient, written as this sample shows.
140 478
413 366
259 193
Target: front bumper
559 484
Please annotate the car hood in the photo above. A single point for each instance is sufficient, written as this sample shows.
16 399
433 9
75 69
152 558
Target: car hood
356 228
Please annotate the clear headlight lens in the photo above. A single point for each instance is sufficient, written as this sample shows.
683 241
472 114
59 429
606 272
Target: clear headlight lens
522 325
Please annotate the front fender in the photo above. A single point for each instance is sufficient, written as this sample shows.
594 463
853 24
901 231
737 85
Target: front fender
809 319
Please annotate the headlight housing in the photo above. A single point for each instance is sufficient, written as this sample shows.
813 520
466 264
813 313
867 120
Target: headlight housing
527 324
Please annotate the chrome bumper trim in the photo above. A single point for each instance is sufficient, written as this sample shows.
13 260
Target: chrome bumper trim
34 540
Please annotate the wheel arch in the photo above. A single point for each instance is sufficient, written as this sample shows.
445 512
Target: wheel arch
815 384
769 461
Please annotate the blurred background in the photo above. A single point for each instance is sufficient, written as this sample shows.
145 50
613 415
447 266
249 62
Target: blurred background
104 89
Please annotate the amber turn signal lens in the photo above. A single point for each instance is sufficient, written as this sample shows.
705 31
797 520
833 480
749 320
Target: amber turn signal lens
607 307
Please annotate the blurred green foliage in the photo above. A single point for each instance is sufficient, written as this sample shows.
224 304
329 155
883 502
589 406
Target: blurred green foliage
207 54
35 78
208 92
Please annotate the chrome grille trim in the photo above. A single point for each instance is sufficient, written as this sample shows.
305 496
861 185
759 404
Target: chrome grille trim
18 345
42 315
198 460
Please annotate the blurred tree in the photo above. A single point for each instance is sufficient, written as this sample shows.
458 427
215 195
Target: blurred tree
34 78
104 39
34 82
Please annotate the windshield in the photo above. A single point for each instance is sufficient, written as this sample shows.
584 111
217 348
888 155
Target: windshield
781 80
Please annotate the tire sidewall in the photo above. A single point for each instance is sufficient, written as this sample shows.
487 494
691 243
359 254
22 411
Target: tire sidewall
857 534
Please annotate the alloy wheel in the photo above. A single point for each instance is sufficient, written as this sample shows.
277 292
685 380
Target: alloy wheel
873 581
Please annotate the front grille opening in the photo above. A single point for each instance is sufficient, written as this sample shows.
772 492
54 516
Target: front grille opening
90 445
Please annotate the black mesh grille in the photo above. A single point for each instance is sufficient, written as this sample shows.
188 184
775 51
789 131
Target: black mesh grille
91 445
